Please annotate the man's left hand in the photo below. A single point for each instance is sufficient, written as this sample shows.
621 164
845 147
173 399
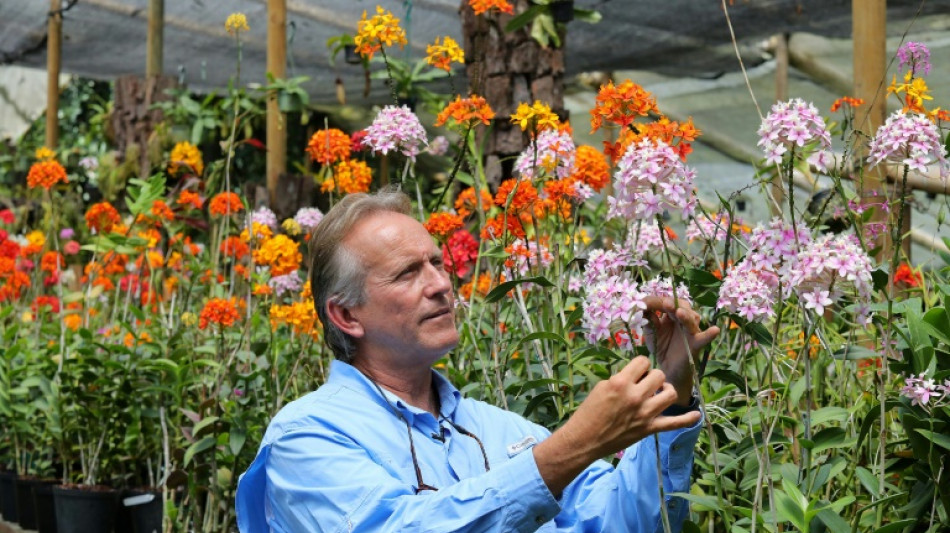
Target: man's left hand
676 335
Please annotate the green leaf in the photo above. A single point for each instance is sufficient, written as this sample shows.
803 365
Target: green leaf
937 438
831 438
937 324
789 510
825 414
589 16
204 424
868 480
833 521
854 352
698 276
711 503
523 19
197 448
236 439
894 527
537 401
501 290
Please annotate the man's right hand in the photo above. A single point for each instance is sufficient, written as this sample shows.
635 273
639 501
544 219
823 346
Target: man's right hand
618 412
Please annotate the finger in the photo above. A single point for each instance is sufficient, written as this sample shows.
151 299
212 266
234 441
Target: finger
653 383
668 423
635 369
703 338
688 318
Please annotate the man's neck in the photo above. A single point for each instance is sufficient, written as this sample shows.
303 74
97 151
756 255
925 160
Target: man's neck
414 387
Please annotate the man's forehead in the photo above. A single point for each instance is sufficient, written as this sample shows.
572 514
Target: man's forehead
388 233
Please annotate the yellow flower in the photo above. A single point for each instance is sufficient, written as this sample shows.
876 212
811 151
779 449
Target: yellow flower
45 154
442 55
236 23
915 92
291 227
382 29
537 116
26 317
36 238
189 319
185 158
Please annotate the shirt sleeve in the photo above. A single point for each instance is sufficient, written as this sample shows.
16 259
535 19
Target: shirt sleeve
342 488
627 499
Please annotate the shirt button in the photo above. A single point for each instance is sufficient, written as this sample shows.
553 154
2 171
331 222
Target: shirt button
539 519
675 447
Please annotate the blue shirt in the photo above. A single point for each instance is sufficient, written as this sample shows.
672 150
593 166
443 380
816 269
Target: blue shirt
338 460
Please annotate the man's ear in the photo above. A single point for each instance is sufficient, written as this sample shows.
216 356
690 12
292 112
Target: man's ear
344 319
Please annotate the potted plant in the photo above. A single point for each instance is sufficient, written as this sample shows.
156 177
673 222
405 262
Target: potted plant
547 19
291 97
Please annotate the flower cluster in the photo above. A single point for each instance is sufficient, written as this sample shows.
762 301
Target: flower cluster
909 139
922 390
662 287
443 224
591 167
46 174
280 253
460 252
225 203
795 124
308 218
349 176
264 215
915 91
101 217
551 153
328 146
482 6
650 179
749 292
185 158
442 55
916 56
285 283
535 117
604 264
382 29
236 23
220 311
621 104
466 112
615 305
847 100
299 315
465 202
439 145
828 269
396 128
907 275
713 228
525 257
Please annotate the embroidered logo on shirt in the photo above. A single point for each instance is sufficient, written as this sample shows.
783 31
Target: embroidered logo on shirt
521 445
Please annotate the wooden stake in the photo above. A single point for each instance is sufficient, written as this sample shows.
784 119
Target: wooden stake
869 23
54 48
276 66
155 41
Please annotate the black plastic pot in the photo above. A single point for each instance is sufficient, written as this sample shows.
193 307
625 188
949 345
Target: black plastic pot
44 508
350 55
25 504
562 11
85 510
8 496
144 509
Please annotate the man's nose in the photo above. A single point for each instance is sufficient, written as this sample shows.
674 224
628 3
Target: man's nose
437 281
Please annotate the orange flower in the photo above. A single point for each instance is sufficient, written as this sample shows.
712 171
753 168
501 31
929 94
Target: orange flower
185 158
670 132
218 311
465 202
907 275
225 203
382 29
161 211
261 289
300 316
483 285
329 146
349 176
281 253
621 104
495 227
442 55
481 6
853 102
558 197
525 195
443 224
102 217
942 115
46 174
591 168
466 112
52 262
234 247
189 198
72 321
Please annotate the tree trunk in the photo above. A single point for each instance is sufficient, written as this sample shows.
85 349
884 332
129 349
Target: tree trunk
133 118
508 69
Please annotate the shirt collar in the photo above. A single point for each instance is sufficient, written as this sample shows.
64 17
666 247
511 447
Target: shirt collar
347 375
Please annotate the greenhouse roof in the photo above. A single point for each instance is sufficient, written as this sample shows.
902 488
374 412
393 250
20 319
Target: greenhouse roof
107 38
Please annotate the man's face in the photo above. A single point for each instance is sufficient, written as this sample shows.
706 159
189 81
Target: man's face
408 316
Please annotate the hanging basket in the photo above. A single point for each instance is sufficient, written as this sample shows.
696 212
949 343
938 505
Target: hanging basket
562 11
350 55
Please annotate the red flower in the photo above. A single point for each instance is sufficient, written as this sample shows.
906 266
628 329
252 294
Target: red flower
460 252
6 216
50 302
907 275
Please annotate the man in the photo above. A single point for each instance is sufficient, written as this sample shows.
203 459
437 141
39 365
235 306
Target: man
388 444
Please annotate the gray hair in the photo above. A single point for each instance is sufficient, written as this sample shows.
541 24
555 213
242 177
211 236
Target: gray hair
335 272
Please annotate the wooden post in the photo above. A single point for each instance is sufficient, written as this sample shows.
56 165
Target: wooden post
276 66
155 40
54 48
869 23
781 95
